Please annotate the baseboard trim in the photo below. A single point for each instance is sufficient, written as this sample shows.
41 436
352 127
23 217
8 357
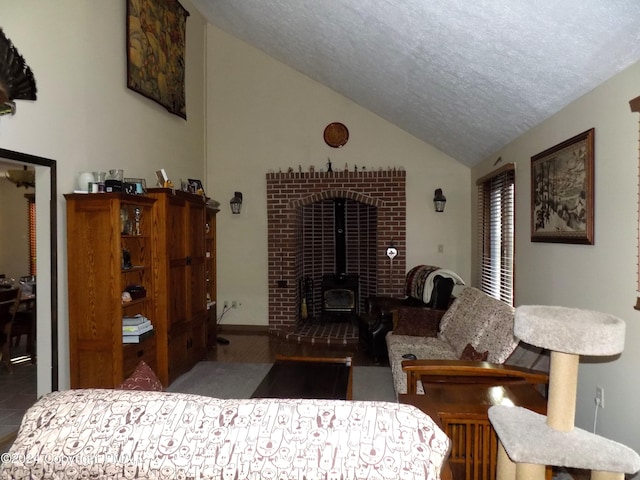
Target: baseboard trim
252 329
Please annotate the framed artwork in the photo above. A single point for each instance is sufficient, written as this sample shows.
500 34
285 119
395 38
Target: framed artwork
156 32
562 192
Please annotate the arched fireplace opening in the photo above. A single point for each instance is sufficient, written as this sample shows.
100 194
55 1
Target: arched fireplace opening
301 239
337 252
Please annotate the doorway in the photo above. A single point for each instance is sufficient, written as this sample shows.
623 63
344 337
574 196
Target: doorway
46 264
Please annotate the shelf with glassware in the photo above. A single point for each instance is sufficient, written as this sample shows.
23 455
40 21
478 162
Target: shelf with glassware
210 270
110 277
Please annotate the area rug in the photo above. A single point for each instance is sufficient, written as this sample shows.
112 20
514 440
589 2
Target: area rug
239 380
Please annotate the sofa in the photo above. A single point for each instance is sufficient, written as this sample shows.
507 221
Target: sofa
122 434
476 327
426 288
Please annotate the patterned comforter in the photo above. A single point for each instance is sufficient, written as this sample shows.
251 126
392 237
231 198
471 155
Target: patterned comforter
160 435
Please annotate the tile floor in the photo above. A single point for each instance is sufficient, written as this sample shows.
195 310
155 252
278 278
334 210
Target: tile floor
325 333
17 394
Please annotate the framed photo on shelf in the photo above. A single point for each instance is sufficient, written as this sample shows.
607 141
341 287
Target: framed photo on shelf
562 192
161 175
139 185
195 186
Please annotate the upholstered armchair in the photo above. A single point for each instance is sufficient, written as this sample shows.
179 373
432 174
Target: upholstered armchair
427 288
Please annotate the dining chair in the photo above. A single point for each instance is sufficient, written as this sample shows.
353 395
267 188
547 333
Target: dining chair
9 301
24 324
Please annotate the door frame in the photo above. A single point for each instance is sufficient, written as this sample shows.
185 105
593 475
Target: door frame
46 259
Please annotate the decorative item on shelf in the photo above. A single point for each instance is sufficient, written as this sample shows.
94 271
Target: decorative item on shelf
136 291
329 169
22 178
16 78
124 218
99 179
126 297
84 180
439 200
126 259
236 203
114 180
212 203
137 216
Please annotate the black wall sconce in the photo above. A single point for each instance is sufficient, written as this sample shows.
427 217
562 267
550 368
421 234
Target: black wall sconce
236 203
439 200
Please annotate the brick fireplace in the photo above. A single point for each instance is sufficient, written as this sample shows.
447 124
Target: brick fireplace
304 238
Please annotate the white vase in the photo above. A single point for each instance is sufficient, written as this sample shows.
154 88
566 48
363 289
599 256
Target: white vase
83 181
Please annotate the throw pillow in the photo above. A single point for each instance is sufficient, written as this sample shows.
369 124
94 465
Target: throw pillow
470 353
142 378
417 322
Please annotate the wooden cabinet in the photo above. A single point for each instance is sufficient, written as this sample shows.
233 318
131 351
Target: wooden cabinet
210 272
109 247
180 282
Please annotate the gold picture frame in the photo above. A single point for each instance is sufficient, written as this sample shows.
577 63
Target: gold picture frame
562 203
156 34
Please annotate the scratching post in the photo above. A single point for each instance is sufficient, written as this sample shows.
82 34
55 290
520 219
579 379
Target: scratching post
530 441
563 385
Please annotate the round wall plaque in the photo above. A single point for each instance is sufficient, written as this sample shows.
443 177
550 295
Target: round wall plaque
336 135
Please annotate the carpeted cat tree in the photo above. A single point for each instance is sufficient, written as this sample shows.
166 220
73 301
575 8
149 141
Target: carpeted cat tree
528 441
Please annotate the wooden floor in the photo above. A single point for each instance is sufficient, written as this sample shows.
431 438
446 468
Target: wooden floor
257 348
262 348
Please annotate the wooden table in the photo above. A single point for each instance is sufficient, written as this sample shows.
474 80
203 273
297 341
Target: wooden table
461 411
307 377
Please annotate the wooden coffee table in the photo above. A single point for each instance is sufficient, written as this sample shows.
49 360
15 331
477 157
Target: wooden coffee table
308 377
461 411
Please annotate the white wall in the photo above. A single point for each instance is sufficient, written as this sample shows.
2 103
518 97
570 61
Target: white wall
600 277
264 116
14 230
85 118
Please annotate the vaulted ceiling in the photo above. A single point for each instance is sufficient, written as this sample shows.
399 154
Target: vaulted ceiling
466 77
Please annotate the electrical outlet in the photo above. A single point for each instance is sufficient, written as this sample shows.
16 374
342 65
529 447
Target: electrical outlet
225 304
234 304
600 397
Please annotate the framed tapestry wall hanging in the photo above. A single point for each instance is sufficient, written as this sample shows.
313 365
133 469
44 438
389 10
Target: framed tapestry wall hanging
156 33
562 192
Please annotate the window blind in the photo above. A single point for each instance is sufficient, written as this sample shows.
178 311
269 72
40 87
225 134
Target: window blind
496 198
32 233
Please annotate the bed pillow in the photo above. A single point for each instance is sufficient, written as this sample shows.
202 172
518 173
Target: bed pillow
142 378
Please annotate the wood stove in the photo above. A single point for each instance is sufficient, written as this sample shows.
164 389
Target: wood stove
340 294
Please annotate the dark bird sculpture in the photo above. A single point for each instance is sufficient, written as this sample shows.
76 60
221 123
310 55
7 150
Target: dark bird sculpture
16 78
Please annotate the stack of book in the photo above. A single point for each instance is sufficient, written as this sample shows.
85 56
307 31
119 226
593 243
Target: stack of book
136 329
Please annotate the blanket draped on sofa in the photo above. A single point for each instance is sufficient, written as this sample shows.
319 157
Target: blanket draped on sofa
161 435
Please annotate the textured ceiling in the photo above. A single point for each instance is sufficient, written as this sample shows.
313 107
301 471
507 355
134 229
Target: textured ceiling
465 77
